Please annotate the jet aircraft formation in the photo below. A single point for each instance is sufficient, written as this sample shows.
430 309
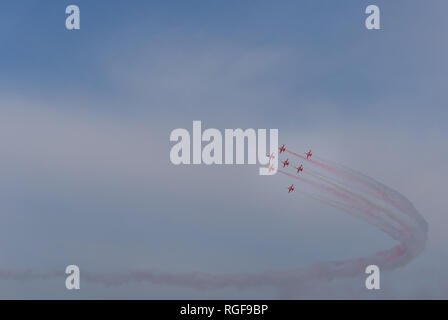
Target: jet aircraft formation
286 163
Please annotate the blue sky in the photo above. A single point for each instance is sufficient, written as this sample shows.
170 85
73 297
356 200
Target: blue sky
330 57
86 117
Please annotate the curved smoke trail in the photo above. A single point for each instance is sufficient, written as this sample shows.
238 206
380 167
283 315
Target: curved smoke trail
333 185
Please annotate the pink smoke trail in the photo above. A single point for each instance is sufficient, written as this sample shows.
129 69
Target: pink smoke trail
401 222
342 172
357 203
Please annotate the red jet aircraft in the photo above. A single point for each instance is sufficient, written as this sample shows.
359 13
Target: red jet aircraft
271 156
299 168
308 154
271 168
282 148
285 163
290 188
